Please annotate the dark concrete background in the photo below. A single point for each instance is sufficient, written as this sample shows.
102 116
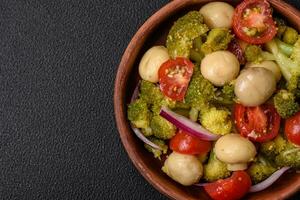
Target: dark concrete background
58 61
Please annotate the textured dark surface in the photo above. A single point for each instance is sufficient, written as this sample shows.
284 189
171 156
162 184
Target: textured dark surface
58 61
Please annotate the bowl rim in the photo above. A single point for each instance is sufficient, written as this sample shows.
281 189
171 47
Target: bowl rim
139 37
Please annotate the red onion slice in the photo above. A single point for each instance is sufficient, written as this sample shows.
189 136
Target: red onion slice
140 135
269 181
135 94
201 184
187 125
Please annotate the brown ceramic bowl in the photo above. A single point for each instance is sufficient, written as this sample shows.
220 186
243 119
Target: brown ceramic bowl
153 32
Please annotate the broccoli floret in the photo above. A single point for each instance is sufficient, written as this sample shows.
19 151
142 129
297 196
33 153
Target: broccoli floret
287 34
282 152
290 156
216 120
150 93
217 39
285 48
139 114
215 169
295 56
254 53
182 108
195 53
289 67
161 128
156 152
261 169
183 32
294 85
226 96
290 35
167 102
285 104
200 91
273 147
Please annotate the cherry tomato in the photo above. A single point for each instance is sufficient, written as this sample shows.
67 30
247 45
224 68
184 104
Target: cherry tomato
185 143
259 124
253 22
174 77
234 187
292 129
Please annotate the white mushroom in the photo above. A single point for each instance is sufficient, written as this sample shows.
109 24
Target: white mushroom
217 14
235 150
151 62
268 64
255 86
185 169
220 67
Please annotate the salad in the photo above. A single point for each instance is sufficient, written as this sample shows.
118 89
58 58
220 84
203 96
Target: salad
219 103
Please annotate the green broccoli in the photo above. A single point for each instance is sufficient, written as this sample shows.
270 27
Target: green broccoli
289 157
285 48
285 104
150 93
156 152
199 93
215 169
273 147
261 169
296 52
287 34
254 53
290 35
217 39
163 102
290 67
139 114
181 108
282 152
161 128
195 53
226 95
216 120
183 32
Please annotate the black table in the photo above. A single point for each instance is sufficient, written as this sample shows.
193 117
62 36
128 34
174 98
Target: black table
58 60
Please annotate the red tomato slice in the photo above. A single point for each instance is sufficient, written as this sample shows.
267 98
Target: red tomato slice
232 188
253 22
185 143
259 124
292 129
174 77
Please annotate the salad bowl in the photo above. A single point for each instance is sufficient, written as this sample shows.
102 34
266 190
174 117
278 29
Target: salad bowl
154 32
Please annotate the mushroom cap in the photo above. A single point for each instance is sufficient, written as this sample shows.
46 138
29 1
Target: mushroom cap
233 149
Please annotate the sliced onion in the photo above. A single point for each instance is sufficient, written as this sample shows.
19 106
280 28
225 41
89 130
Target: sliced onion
188 125
201 184
135 94
269 181
140 135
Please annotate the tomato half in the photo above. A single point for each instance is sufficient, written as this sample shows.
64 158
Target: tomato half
174 77
232 188
292 129
185 143
259 124
253 22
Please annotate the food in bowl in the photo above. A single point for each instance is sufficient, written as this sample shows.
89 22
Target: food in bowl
219 104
